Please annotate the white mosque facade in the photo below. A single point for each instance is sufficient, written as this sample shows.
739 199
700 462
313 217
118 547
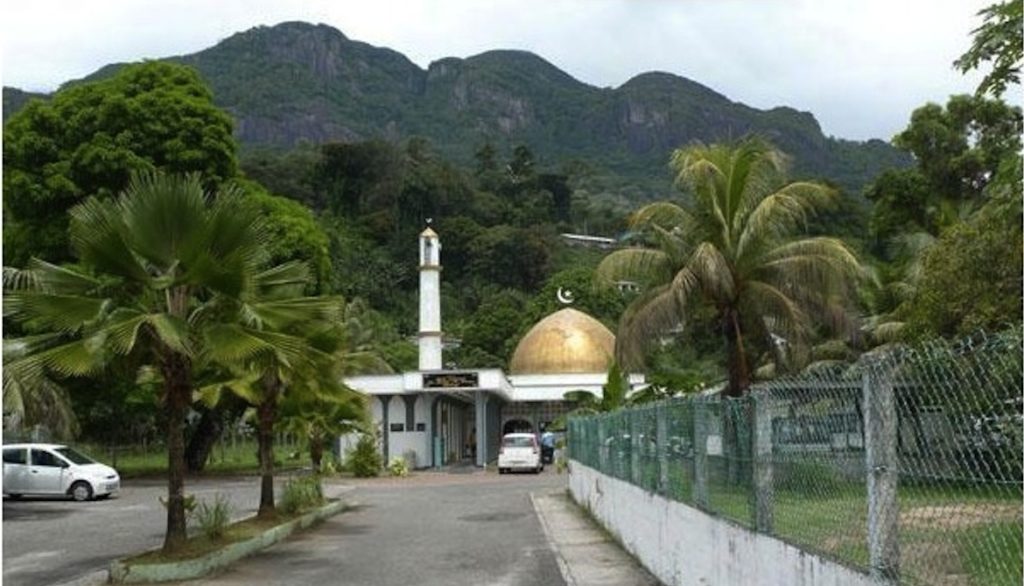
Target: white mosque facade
435 417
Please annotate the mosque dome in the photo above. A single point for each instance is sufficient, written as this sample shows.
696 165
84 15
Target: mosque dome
567 341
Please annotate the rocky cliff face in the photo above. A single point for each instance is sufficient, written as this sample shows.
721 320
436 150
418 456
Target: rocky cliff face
302 82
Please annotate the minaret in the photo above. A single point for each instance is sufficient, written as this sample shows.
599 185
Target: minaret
430 300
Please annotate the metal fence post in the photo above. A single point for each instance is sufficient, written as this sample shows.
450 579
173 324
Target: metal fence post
700 454
880 439
764 493
662 445
634 449
602 446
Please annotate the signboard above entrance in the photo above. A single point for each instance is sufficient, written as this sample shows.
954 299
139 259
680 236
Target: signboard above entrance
451 380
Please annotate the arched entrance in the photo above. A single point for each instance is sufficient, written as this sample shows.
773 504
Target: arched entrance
516 426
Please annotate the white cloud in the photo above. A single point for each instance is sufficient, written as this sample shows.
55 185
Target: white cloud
860 66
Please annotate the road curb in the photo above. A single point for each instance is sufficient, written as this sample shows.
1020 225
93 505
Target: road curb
122 573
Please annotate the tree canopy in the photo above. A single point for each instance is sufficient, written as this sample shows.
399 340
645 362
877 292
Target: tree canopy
89 138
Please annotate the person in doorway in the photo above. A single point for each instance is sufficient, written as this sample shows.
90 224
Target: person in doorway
547 447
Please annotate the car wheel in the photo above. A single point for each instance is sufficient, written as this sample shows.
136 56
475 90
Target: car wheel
81 491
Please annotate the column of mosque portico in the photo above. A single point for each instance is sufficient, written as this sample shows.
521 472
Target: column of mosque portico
430 301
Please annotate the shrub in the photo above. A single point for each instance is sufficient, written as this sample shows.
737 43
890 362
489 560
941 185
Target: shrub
213 518
398 467
329 466
300 494
364 459
190 505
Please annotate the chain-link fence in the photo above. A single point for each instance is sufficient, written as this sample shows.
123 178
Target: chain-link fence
906 465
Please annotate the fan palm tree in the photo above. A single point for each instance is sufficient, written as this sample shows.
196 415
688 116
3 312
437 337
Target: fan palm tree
736 249
162 272
321 417
284 356
322 349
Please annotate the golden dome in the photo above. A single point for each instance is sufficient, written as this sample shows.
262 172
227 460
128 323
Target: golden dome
567 341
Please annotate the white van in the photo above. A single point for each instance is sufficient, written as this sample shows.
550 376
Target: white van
55 469
519 451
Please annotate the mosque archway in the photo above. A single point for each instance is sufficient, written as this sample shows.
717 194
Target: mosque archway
516 426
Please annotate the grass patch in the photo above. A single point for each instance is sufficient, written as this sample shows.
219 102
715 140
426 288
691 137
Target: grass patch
241 458
993 555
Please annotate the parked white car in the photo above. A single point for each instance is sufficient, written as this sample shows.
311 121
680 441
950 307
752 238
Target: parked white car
519 451
55 469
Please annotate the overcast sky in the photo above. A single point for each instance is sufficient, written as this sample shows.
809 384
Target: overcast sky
861 66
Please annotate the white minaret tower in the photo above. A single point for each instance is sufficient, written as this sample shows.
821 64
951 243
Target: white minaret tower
430 300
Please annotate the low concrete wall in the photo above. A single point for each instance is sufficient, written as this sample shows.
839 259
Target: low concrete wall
682 545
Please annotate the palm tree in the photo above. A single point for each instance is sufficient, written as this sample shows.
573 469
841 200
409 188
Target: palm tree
162 270
320 418
735 251
268 348
313 345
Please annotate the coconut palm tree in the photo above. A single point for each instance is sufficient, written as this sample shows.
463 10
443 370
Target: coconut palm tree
735 249
161 275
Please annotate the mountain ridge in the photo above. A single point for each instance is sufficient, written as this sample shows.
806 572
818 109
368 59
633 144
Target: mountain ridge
298 82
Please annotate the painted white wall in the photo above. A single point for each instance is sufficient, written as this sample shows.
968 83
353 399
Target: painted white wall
376 384
414 441
684 546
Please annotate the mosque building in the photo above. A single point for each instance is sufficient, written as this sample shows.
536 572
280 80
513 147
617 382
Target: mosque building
434 416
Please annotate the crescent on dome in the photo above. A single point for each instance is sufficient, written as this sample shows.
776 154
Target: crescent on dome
565 296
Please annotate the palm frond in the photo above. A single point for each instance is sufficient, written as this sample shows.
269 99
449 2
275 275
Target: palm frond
652 314
65 313
99 235
633 264
45 277
712 271
782 212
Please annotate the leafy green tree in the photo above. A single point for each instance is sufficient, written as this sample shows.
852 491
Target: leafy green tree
495 325
959 149
350 177
736 249
293 234
510 257
164 272
971 277
89 139
603 303
998 40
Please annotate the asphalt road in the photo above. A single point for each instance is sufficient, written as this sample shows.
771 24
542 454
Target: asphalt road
446 529
450 530
49 541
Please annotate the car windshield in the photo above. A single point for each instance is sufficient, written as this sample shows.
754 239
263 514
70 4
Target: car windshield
518 442
76 457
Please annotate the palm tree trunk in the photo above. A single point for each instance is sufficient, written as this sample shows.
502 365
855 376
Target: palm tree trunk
206 434
178 395
739 381
266 413
316 451
739 372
